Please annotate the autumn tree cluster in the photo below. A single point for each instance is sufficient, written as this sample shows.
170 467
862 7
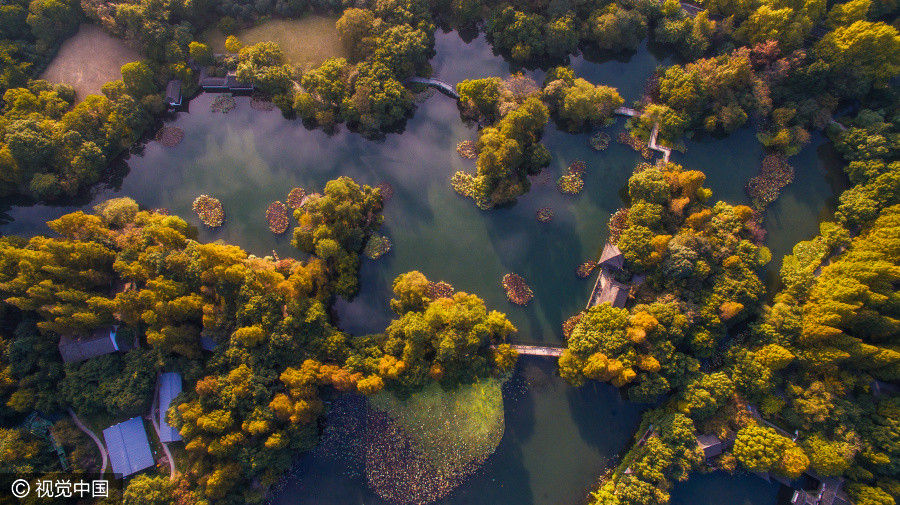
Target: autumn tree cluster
253 401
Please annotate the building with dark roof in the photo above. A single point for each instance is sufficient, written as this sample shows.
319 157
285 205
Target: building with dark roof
75 348
173 93
609 290
169 387
128 447
229 83
711 445
611 257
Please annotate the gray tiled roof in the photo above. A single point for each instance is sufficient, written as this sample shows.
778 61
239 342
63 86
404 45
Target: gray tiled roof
129 449
611 257
169 387
79 348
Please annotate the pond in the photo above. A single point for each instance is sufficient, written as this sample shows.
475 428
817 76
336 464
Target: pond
88 60
306 42
249 158
558 439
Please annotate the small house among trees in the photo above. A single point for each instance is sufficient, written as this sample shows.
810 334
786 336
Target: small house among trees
75 348
173 93
711 445
128 447
611 257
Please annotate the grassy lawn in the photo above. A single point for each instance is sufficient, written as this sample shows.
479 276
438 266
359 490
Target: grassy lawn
306 42
88 60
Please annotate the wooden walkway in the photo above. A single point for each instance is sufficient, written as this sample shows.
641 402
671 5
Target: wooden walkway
666 152
450 91
652 145
538 350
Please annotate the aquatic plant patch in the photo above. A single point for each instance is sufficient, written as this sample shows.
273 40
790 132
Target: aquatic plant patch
467 150
631 141
260 103
209 210
169 136
517 291
295 198
617 224
599 141
775 173
277 217
387 191
376 247
223 104
544 214
570 183
570 323
439 289
577 167
420 448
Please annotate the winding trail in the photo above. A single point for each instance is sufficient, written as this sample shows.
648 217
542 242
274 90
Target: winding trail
87 431
152 418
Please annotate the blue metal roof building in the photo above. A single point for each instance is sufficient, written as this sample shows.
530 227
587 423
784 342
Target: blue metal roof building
128 447
169 387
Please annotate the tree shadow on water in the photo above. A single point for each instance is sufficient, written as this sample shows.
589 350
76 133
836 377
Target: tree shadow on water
604 418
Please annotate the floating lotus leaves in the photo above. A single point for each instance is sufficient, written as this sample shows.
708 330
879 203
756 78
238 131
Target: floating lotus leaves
599 141
169 136
259 102
209 210
466 149
387 191
277 217
223 104
774 174
439 289
572 182
517 290
376 247
421 448
295 198
544 214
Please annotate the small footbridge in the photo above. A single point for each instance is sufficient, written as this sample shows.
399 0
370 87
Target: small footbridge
450 90
538 350
441 86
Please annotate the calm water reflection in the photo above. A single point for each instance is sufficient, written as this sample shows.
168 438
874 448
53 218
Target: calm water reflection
720 488
558 438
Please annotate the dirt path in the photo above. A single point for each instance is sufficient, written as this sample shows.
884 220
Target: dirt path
88 432
153 416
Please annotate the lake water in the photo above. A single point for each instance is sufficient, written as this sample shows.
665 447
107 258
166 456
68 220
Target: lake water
558 438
